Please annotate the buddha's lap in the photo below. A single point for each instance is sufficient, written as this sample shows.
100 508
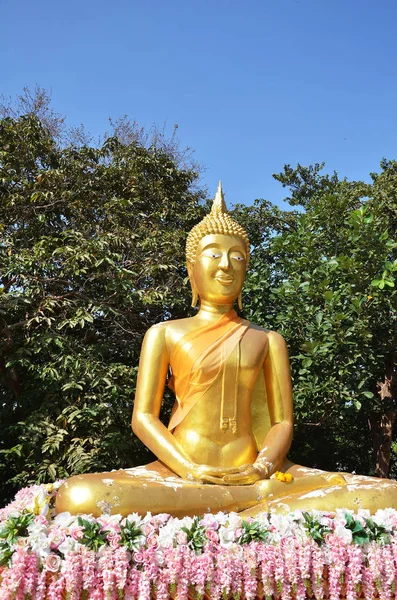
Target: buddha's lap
157 489
151 488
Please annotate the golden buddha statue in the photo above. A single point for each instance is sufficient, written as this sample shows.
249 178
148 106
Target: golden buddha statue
231 426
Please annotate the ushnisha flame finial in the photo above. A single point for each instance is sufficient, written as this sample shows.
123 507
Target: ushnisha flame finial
219 204
217 221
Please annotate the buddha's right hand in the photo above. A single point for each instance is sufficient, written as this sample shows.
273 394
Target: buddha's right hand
209 474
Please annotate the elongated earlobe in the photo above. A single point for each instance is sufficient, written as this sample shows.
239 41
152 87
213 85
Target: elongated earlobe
240 301
194 297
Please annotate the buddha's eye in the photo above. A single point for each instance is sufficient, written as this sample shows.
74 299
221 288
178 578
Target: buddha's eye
238 256
212 253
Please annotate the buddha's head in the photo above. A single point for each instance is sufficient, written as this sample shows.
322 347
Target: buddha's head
217 255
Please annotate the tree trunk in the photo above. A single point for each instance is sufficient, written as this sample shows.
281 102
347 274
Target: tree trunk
381 426
381 423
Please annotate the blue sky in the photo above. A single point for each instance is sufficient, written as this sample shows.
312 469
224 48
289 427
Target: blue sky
251 84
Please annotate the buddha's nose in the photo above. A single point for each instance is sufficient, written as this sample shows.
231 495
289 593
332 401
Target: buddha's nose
224 263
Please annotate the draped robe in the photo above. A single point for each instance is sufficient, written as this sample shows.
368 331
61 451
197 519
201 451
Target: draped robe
198 359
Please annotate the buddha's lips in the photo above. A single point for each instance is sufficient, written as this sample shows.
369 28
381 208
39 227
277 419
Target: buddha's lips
224 280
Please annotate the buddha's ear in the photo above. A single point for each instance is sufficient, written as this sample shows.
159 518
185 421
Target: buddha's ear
195 296
189 266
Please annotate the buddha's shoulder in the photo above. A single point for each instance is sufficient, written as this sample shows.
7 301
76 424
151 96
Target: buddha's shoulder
272 338
166 328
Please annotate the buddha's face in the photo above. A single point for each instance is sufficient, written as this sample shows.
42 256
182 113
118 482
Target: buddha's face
219 269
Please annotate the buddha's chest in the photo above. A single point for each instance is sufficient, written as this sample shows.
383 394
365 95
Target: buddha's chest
224 390
240 359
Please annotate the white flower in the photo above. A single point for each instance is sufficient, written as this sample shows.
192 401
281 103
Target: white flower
64 519
133 518
327 521
221 518
168 533
38 539
345 534
364 513
109 520
386 517
234 521
284 526
147 518
67 545
226 536
40 502
297 515
340 513
263 519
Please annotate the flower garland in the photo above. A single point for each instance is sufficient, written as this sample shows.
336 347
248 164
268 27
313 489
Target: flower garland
313 554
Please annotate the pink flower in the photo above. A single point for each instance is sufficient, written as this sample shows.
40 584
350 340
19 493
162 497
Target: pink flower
106 569
114 540
181 538
52 563
56 538
209 522
41 519
212 535
73 572
148 528
161 519
138 557
76 533
121 564
152 540
88 567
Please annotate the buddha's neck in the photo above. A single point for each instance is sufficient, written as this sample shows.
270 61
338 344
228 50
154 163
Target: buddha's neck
209 311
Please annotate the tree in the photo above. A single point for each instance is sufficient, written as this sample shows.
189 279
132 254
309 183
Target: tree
330 267
91 255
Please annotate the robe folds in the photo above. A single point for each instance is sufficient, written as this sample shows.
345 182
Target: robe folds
198 358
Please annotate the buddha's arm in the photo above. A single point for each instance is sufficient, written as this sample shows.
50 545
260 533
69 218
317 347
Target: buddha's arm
279 397
146 424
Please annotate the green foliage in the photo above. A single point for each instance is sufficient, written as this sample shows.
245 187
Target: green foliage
377 533
195 535
131 535
253 531
93 535
360 535
91 255
369 532
13 528
315 528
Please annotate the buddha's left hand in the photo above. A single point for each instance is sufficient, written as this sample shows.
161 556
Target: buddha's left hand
210 474
246 475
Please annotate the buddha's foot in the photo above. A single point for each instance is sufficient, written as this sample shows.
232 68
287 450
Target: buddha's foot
356 493
334 479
